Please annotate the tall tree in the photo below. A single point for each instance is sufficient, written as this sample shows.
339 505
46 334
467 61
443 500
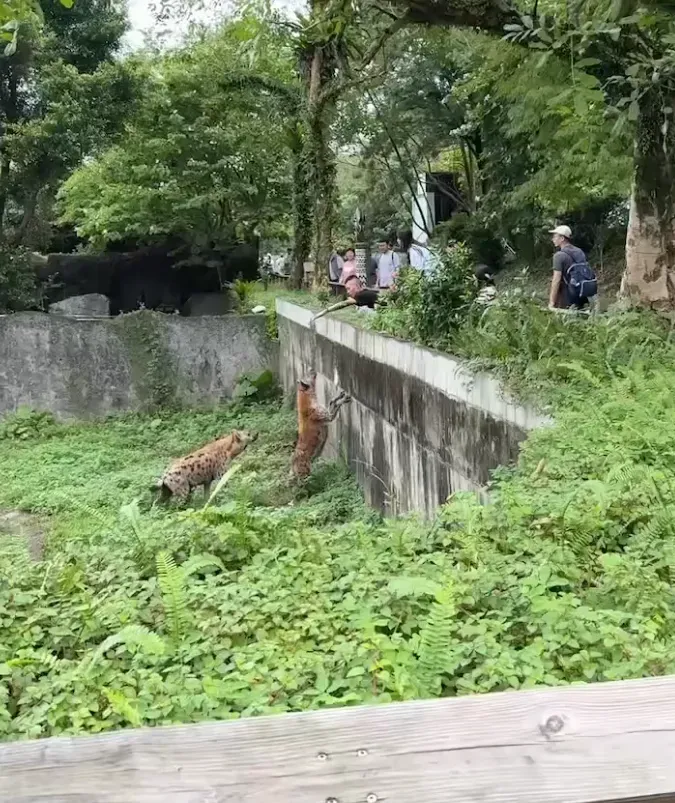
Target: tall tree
61 94
198 160
336 45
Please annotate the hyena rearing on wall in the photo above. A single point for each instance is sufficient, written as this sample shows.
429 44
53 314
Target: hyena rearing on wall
313 420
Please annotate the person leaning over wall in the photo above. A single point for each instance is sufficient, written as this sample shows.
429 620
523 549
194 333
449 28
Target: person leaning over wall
365 298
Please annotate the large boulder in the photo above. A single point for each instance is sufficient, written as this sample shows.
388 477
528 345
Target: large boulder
91 305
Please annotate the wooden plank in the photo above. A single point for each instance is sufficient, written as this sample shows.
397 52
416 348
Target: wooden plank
601 742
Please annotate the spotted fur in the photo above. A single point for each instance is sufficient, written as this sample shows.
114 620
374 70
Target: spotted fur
313 420
204 466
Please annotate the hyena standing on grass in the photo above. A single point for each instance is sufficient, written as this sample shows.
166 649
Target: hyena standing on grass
204 466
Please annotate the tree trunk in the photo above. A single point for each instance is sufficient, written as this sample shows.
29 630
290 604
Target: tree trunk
302 217
649 277
29 208
325 196
321 163
5 165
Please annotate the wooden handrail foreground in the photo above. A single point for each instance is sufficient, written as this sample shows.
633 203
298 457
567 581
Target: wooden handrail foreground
601 742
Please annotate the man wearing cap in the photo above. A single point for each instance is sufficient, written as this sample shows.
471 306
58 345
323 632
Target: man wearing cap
563 294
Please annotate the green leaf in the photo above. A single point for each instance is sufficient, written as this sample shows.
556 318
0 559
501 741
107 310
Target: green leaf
413 587
580 105
356 671
634 110
587 62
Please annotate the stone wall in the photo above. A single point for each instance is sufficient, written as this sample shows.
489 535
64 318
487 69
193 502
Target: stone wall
419 426
86 368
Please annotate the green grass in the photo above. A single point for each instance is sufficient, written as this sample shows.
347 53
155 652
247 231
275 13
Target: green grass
278 289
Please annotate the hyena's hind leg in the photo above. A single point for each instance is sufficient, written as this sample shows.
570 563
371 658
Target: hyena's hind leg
179 488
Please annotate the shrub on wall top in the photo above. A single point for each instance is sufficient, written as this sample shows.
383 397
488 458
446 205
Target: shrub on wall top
430 307
18 280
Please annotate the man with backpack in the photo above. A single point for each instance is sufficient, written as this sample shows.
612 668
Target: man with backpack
571 273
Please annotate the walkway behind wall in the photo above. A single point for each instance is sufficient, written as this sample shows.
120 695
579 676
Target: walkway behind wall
420 426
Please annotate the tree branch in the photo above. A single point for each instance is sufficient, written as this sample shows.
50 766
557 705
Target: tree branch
243 81
334 90
488 15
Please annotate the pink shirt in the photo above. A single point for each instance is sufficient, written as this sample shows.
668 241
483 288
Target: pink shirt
348 269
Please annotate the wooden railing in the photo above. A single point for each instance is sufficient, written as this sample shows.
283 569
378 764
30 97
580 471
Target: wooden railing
601 742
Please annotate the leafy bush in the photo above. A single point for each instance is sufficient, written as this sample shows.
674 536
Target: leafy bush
26 424
18 280
549 358
245 292
271 324
429 307
256 387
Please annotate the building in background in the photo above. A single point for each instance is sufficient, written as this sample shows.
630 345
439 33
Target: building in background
436 200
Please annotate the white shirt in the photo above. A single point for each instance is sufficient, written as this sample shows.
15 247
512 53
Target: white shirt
419 257
387 265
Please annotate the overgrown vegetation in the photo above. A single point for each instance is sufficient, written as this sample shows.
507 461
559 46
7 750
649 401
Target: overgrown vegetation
277 597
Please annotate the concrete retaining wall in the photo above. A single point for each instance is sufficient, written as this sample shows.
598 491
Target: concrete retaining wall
80 368
420 426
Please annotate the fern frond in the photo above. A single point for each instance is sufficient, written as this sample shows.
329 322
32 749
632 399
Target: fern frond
171 580
661 525
222 482
121 705
131 513
628 474
198 562
581 371
35 657
71 502
580 542
435 642
131 636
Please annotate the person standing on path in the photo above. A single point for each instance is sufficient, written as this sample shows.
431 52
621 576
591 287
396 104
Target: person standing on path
349 265
573 284
388 263
335 266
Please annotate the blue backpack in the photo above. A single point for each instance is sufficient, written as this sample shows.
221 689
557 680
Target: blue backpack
581 280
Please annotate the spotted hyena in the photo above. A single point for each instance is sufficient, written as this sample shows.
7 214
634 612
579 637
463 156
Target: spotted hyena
204 466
